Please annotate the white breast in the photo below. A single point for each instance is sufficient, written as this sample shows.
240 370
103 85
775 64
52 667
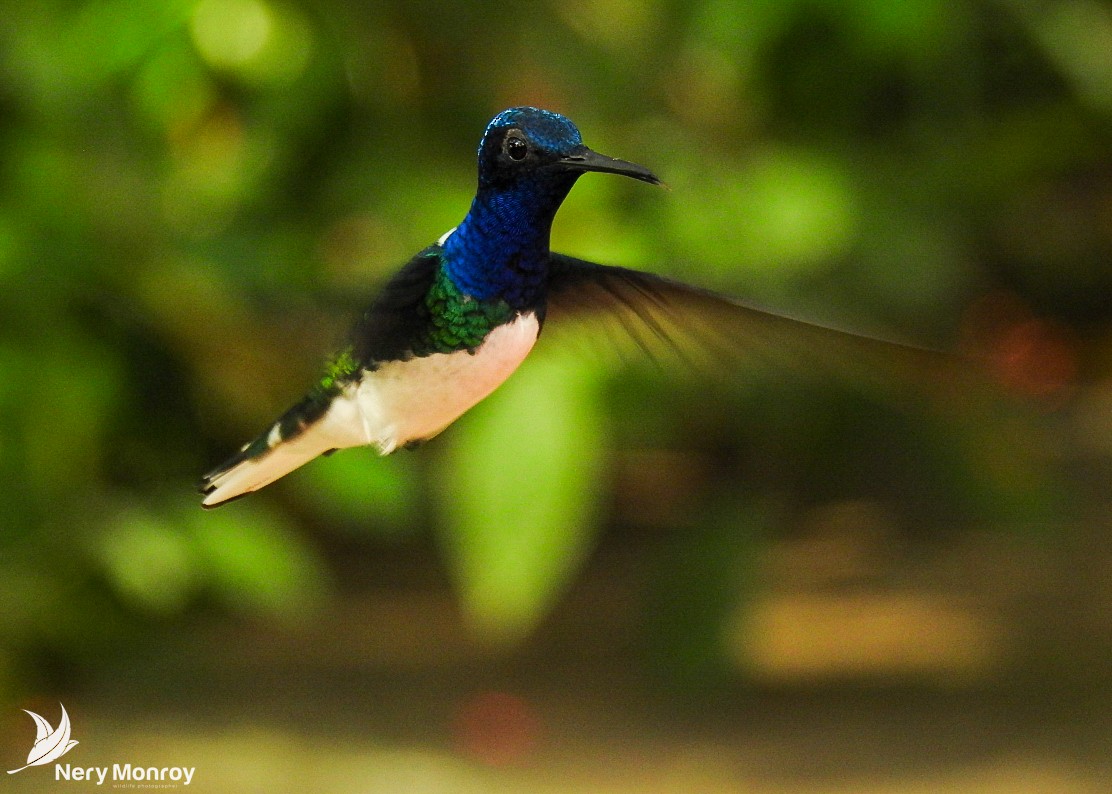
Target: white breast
411 400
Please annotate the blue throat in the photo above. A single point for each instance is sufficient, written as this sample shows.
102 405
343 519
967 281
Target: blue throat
500 250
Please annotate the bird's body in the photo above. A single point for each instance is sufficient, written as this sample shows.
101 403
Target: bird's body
454 323
463 314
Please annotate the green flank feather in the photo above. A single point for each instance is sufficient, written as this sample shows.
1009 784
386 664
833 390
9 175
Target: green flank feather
457 321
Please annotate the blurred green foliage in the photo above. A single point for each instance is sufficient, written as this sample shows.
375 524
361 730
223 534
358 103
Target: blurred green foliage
197 195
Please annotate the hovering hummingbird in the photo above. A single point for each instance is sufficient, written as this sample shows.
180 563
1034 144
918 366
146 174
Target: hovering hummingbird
465 312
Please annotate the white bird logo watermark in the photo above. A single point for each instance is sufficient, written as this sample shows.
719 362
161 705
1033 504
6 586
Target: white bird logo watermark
50 743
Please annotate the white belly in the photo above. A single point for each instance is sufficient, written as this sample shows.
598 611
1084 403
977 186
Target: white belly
405 401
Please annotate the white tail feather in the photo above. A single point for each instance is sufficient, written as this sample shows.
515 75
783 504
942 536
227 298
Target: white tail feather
254 473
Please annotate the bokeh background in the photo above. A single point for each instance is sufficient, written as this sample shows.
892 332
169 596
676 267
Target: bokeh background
606 578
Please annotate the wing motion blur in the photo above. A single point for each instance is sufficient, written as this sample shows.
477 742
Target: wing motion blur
723 336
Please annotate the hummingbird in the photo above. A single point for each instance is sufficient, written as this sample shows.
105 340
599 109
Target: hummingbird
460 317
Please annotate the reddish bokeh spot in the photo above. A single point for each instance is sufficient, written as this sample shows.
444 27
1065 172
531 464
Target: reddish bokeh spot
1032 355
496 728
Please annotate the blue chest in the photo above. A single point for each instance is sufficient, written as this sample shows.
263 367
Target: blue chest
500 250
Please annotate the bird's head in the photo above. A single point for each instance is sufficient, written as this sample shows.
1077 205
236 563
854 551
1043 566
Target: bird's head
529 145
528 161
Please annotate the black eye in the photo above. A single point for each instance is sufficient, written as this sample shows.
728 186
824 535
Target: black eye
516 148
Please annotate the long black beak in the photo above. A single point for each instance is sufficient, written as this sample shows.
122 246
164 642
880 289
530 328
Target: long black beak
584 159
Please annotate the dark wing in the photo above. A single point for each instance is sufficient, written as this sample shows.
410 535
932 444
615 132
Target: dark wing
398 318
669 319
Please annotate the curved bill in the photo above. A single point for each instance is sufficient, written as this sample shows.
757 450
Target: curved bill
584 159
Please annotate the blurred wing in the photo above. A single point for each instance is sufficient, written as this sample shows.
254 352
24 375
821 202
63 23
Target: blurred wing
670 320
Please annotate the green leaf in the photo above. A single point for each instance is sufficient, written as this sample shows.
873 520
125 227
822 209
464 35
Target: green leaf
149 562
521 485
255 562
357 488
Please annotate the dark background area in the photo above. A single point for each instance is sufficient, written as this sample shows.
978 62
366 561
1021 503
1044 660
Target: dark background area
606 577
